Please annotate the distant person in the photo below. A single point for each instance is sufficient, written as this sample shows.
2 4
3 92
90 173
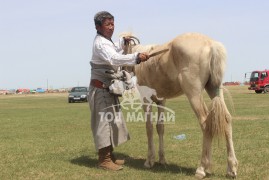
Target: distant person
107 123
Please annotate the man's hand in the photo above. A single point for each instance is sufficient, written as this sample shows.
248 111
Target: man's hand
126 39
143 57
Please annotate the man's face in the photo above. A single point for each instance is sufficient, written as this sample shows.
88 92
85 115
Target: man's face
107 28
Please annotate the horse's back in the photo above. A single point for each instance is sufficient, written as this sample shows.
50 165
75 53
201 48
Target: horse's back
184 67
191 43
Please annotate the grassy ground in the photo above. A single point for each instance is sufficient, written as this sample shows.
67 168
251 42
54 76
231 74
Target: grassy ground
44 137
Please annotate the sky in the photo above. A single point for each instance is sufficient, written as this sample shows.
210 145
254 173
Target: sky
47 43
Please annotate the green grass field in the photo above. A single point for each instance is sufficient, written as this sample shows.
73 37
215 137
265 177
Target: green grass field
44 137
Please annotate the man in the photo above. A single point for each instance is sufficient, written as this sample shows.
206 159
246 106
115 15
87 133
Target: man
107 123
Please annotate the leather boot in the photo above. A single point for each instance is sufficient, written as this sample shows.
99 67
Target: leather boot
113 158
105 161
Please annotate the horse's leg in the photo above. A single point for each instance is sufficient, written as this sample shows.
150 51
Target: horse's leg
149 127
200 109
205 163
231 159
160 131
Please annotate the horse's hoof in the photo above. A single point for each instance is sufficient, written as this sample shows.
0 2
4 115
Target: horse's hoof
200 173
208 171
149 164
232 168
162 161
231 174
199 176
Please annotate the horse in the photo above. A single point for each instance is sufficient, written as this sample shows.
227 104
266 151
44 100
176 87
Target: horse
193 63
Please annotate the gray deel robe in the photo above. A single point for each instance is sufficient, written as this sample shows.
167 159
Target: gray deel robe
107 121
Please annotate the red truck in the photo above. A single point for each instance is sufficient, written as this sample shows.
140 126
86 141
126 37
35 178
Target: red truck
259 81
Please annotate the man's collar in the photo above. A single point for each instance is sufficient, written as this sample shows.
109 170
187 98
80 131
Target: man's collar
98 33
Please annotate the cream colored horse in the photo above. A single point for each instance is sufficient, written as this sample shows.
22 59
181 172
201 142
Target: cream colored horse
193 63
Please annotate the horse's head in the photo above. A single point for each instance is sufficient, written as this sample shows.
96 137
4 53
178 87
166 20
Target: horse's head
133 45
130 44
128 49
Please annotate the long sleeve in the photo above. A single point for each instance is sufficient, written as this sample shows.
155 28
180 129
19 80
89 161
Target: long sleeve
105 52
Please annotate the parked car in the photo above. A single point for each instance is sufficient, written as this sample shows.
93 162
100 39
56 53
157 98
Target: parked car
78 94
40 90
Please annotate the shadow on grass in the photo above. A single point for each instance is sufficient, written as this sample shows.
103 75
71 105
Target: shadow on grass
85 161
136 163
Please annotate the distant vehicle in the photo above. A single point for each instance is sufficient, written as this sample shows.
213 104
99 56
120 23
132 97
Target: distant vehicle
259 81
32 91
23 91
4 92
40 90
78 94
12 91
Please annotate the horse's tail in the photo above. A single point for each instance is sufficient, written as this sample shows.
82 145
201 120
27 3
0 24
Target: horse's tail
217 63
219 116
